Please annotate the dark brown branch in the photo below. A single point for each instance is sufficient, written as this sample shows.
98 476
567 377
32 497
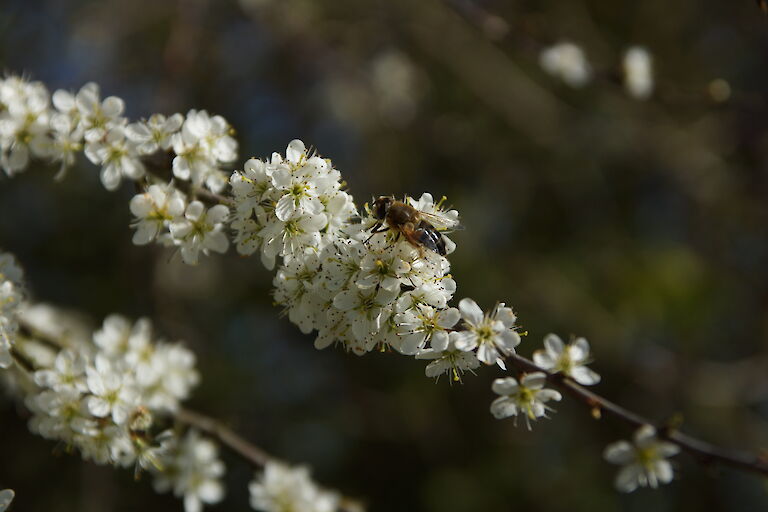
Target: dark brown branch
704 452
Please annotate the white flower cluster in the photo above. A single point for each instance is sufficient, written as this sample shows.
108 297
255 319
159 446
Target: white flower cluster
644 460
162 214
102 396
11 295
191 469
24 122
34 123
290 207
360 288
280 488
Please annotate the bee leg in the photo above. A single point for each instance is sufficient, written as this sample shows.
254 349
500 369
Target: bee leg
376 229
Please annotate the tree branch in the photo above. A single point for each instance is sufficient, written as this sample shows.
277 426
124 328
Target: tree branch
704 452
227 436
244 448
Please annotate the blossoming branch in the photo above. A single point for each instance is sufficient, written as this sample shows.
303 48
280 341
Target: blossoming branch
369 278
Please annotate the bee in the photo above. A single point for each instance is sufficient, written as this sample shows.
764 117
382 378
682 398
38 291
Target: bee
419 228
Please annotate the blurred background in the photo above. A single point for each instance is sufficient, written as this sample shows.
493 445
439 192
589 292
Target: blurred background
640 225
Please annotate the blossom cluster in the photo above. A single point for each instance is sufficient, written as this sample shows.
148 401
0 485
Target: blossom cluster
106 394
103 396
34 123
163 214
360 287
280 487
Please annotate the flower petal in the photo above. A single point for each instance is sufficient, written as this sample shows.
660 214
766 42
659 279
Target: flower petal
470 311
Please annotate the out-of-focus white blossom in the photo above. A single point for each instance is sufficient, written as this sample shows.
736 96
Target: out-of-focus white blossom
101 397
638 72
570 360
567 62
527 397
191 468
155 133
6 497
492 334
24 117
118 157
200 230
644 460
96 117
11 296
281 488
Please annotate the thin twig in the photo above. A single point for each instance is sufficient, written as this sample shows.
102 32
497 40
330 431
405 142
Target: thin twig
244 448
704 452
159 164
227 436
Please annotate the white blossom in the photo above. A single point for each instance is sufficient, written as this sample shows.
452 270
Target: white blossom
111 393
65 143
117 156
200 230
155 133
192 470
422 324
202 146
24 117
67 373
96 117
448 359
644 460
154 211
493 334
567 62
570 360
6 497
282 488
11 297
527 397
638 72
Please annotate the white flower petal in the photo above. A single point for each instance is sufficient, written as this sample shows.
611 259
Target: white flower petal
470 311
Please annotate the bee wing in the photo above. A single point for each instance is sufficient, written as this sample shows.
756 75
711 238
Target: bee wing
441 222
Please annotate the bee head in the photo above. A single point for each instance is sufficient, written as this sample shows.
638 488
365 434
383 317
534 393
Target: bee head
381 206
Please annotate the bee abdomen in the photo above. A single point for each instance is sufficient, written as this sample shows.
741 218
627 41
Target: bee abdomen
430 238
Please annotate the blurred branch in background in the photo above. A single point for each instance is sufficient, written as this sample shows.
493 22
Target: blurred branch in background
703 452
